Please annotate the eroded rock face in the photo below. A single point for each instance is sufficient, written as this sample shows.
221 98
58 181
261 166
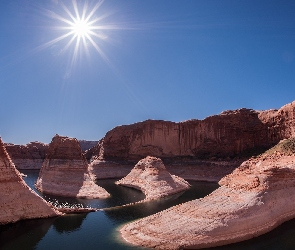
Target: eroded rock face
255 198
65 171
29 156
232 133
17 200
151 177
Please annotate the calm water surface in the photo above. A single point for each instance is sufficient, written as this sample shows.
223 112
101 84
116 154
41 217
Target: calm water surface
98 230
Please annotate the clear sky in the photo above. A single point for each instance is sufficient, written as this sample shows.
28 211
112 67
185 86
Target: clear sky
155 59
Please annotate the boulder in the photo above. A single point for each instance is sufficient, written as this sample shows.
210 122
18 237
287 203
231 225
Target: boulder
151 177
17 200
65 171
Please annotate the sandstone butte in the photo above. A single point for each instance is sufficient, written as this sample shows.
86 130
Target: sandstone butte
252 200
151 177
65 171
17 200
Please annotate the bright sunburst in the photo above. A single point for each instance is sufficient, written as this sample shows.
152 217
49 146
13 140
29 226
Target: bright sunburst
81 28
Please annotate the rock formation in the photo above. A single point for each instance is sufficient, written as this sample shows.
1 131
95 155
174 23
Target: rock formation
151 177
65 171
255 198
17 200
29 156
232 133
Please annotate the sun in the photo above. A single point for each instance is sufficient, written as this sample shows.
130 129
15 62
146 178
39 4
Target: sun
81 26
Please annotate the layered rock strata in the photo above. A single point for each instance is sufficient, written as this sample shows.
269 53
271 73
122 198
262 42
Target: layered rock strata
65 171
241 132
254 199
29 156
17 200
151 177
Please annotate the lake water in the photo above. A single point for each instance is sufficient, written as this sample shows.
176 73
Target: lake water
99 230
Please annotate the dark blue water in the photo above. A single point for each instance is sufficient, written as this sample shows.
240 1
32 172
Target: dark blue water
99 230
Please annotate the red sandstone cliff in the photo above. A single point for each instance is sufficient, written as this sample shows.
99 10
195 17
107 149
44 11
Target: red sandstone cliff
29 156
65 171
17 200
229 134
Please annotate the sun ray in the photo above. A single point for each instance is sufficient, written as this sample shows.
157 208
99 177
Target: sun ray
58 17
99 50
93 10
46 45
68 12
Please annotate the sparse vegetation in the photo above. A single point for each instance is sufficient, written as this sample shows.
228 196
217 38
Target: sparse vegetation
287 147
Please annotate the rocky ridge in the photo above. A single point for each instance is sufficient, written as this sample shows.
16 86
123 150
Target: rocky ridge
65 171
151 177
251 201
17 200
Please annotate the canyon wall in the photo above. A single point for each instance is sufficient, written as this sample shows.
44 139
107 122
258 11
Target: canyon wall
32 155
29 156
17 200
241 132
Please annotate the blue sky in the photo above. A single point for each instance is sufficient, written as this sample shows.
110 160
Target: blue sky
162 59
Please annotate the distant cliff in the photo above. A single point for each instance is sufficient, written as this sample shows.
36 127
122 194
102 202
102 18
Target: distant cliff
85 145
29 156
232 133
32 155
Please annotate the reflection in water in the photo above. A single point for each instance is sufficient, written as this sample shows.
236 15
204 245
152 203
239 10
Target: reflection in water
24 234
69 222
120 195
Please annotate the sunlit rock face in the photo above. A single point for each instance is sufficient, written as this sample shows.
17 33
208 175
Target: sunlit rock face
17 200
252 200
65 171
29 156
229 134
151 177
